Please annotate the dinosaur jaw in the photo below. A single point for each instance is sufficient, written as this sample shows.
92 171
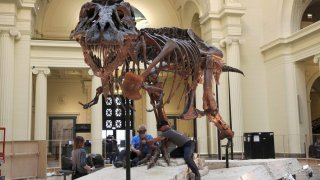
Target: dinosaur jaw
104 56
106 60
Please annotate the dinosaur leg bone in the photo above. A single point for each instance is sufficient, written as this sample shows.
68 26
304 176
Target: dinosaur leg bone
209 103
156 96
208 100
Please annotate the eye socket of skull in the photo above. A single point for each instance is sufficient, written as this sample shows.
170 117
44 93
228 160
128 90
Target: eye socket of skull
120 13
90 12
87 10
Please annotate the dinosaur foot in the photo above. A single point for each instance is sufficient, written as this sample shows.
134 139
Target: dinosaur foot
154 159
131 85
166 158
144 160
225 131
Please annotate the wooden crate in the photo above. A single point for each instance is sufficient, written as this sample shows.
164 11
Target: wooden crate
24 159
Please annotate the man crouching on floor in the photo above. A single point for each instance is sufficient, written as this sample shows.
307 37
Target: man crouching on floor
182 141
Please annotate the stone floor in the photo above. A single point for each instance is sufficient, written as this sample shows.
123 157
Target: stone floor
313 163
315 166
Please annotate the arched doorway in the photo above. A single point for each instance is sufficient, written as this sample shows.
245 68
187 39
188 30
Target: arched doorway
314 106
311 14
315 117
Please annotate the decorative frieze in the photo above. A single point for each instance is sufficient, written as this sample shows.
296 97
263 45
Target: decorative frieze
316 58
10 32
41 70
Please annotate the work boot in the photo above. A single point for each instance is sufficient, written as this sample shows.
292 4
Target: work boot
125 164
118 164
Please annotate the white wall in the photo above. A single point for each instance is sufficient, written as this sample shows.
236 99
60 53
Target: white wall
255 100
63 98
159 13
276 103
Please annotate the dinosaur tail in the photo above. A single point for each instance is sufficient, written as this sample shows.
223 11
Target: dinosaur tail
226 68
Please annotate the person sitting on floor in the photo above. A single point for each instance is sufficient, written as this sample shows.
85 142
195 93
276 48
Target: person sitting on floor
140 149
79 164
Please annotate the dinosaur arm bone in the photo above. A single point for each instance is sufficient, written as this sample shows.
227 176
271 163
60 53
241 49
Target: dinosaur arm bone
94 100
157 139
157 92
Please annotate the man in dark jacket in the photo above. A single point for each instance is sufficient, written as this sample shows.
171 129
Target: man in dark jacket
182 141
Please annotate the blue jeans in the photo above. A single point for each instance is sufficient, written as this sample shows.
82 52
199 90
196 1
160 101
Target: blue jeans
188 150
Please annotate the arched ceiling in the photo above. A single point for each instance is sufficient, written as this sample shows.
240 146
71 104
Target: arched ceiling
57 18
189 10
311 14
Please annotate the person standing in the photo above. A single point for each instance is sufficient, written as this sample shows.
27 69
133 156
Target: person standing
112 150
79 165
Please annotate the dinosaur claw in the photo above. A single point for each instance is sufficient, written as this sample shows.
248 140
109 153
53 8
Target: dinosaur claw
85 106
150 165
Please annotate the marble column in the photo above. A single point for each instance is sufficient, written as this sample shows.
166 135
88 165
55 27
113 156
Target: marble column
7 78
202 136
151 122
22 112
96 116
40 128
233 60
292 108
310 139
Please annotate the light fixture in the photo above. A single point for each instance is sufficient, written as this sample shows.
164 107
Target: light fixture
309 16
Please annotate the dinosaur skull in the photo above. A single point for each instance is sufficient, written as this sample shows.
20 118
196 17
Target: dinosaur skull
105 25
105 31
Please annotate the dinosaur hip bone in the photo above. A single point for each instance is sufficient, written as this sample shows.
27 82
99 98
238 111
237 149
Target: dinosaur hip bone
131 85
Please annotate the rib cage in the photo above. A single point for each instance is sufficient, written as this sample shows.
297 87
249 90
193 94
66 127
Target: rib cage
186 58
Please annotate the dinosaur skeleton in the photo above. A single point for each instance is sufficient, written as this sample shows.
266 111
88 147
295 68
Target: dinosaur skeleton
115 51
